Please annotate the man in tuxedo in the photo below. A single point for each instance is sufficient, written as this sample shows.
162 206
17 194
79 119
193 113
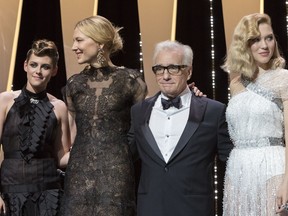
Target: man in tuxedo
177 137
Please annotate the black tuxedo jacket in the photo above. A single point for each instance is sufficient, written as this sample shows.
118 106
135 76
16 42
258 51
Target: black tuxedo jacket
184 185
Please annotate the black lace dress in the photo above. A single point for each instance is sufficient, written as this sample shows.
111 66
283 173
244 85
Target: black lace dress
99 177
29 179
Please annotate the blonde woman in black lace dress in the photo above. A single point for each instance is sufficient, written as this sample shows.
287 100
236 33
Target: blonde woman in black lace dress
99 177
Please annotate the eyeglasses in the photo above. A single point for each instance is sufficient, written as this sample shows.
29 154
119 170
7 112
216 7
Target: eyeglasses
172 69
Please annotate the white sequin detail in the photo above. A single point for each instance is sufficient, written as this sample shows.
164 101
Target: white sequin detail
256 165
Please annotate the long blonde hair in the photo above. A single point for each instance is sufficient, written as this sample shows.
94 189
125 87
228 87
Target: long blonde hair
239 58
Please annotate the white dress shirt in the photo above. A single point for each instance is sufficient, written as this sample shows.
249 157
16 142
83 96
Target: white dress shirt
168 125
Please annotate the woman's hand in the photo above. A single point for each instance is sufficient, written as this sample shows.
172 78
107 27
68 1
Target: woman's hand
2 206
282 200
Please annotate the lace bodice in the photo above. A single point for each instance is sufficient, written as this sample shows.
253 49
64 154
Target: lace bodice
102 96
99 177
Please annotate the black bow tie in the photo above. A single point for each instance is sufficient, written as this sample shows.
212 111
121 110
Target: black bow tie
176 102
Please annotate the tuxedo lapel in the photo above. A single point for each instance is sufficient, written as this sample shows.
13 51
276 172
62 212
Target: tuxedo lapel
149 138
197 109
147 134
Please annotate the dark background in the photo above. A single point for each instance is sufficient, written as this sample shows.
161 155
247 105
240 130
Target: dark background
192 28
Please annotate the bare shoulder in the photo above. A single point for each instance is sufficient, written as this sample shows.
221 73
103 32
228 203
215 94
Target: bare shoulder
7 100
236 86
8 97
60 108
56 102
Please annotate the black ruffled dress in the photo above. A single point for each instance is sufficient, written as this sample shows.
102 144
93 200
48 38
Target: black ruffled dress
30 184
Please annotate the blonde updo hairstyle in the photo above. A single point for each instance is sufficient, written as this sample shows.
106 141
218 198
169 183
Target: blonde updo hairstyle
102 31
239 58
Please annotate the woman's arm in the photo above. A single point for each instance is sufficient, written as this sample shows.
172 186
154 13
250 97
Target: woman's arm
63 139
6 101
282 194
72 126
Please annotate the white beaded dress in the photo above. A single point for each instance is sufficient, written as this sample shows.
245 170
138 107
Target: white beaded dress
256 164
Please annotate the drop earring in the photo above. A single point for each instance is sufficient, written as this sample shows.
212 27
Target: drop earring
100 59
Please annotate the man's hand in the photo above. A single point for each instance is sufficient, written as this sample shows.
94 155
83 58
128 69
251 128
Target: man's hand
196 90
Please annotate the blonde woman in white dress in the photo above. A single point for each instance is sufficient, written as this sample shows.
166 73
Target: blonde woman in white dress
256 182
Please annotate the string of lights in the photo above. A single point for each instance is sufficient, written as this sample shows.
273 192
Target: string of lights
141 54
214 97
212 48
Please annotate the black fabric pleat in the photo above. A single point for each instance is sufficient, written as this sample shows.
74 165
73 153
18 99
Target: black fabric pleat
35 111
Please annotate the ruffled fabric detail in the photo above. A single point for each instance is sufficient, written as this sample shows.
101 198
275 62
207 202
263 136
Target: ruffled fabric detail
35 111
48 202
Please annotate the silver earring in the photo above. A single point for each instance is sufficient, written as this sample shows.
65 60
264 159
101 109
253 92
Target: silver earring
100 59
